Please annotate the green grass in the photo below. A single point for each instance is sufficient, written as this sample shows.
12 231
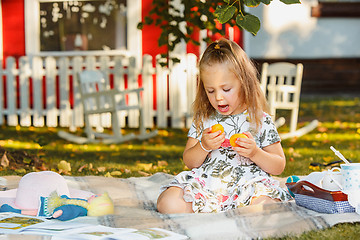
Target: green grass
133 158
350 231
339 127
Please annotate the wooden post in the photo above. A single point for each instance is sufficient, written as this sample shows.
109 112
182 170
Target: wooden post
24 86
11 73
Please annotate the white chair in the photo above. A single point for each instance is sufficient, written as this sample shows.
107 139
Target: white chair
97 99
281 83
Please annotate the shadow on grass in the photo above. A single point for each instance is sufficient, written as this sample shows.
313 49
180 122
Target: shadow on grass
339 127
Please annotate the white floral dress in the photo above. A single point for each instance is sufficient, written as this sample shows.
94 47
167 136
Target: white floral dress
227 180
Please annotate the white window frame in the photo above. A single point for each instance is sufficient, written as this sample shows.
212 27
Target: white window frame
32 32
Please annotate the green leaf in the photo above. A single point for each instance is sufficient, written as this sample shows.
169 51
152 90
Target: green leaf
224 14
27 160
163 39
227 1
267 2
249 22
290 1
148 20
140 26
197 43
251 3
175 60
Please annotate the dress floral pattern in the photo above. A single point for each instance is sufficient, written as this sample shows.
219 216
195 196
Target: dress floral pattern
227 180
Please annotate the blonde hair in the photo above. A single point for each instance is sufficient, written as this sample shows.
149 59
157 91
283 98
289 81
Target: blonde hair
100 205
230 53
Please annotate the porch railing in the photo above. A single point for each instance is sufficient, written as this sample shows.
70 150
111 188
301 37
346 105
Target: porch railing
43 91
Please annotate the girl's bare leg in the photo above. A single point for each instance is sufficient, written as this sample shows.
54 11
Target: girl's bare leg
172 201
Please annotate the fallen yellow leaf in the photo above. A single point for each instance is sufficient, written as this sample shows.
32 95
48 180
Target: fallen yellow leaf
4 161
163 133
314 168
101 169
20 171
145 166
144 173
64 167
328 159
162 163
116 173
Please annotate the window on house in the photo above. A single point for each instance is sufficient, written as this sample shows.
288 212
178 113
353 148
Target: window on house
83 25
336 8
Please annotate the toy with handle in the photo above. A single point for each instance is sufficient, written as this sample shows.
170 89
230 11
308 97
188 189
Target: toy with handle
337 153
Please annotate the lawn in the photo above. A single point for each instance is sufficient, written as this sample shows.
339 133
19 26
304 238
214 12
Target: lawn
28 149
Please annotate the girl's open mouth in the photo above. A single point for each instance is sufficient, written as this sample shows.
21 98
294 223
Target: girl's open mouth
223 108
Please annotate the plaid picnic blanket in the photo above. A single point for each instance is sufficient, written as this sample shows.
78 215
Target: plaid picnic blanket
135 207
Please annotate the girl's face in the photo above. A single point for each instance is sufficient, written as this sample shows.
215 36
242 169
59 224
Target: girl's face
222 89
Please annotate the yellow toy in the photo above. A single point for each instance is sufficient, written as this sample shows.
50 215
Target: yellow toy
58 206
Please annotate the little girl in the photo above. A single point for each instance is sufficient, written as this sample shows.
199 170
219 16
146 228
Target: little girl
223 177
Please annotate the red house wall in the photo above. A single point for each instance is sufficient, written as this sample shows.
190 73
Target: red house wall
150 34
13 28
14 31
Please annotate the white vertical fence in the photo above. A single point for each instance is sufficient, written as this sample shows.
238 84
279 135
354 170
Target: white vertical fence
43 91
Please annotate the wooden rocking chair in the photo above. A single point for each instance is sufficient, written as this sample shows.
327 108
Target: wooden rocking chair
97 98
281 83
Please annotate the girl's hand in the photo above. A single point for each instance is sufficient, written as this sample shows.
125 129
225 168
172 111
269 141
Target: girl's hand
212 141
247 146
